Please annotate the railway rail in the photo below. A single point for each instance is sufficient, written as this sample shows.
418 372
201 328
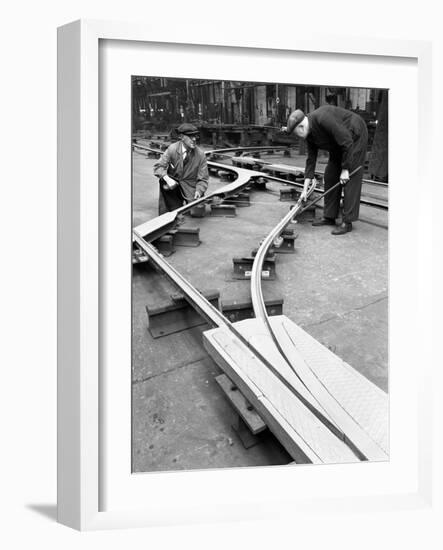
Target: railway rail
367 199
321 412
312 419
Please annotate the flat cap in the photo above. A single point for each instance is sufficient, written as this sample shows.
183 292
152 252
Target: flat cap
188 129
294 120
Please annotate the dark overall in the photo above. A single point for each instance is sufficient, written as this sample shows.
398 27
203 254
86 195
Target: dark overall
344 135
169 200
191 173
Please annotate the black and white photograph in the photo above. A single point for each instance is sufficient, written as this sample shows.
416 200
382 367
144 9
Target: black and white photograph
259 274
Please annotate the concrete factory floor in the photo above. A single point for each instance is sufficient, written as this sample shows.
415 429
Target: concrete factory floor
335 287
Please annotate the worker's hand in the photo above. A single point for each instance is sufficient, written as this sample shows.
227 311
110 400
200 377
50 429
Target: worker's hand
170 183
284 129
344 177
198 195
304 194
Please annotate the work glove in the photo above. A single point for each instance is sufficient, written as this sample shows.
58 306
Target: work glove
344 177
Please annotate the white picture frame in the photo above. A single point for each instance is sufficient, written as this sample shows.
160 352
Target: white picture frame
81 296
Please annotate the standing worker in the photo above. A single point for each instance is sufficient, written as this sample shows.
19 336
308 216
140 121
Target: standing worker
344 135
182 171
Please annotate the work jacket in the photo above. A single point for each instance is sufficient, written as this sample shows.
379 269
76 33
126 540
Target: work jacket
192 174
340 132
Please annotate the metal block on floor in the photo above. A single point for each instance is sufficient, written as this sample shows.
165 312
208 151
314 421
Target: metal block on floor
259 183
237 310
165 245
138 256
186 236
269 253
285 243
245 411
243 268
247 438
175 314
289 194
241 200
198 211
223 210
307 215
224 175
286 153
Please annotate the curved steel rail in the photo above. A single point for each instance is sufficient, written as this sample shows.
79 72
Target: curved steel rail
215 318
151 229
297 386
358 440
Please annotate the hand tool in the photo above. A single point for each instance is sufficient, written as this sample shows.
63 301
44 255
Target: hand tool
317 199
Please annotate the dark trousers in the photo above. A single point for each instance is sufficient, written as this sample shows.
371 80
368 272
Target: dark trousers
352 190
169 200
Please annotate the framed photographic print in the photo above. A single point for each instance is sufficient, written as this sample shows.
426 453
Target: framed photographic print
232 278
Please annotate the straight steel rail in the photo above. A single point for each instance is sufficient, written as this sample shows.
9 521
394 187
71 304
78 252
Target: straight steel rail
216 319
262 148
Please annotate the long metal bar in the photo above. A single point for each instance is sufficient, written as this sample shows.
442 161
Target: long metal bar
376 204
333 407
215 318
150 229
249 148
257 267
321 172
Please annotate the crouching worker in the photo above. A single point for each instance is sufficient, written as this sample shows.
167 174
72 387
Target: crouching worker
344 135
182 171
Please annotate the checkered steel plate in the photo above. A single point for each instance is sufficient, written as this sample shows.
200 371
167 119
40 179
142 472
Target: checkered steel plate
274 395
363 400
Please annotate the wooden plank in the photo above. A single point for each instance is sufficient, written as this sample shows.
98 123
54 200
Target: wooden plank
303 435
250 416
351 401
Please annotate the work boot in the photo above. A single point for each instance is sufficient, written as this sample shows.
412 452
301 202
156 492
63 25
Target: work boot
343 228
323 221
